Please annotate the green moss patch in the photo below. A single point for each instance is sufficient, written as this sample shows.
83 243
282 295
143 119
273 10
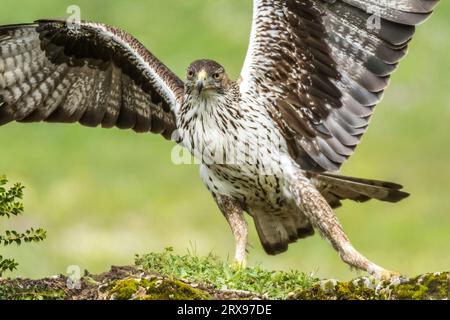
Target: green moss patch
333 290
156 289
432 286
125 289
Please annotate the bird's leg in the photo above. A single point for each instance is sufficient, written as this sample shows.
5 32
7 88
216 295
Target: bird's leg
321 215
234 214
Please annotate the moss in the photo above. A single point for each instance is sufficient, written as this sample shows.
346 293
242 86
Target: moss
425 287
173 290
156 289
125 289
438 285
15 290
410 292
430 286
359 289
137 284
356 290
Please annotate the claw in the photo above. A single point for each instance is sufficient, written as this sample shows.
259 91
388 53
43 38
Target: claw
386 275
238 265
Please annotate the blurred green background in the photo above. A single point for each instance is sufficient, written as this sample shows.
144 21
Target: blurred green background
105 195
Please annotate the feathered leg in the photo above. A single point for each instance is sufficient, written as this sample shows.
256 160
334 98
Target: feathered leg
234 214
319 212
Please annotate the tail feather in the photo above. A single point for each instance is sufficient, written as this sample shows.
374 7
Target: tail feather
272 233
277 232
336 188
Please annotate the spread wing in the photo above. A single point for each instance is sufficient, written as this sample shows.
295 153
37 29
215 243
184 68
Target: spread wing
320 67
88 73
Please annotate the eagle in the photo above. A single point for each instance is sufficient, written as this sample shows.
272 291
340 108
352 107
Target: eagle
271 143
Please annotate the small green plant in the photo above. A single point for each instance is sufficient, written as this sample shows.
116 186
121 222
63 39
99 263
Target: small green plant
213 271
11 205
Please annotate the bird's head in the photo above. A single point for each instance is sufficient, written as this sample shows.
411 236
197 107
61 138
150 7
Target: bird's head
206 78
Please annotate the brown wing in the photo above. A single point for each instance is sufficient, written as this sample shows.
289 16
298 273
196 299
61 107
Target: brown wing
320 67
88 73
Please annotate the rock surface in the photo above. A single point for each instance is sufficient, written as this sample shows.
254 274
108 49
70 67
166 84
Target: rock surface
135 283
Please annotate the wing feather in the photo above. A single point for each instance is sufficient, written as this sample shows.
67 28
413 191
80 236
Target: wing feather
93 74
321 66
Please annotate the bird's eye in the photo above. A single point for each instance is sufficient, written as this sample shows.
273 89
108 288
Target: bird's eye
190 74
216 76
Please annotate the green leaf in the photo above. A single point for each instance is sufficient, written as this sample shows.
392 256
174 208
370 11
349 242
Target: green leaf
11 205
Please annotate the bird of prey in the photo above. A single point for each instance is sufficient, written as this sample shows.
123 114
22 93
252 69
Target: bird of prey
270 144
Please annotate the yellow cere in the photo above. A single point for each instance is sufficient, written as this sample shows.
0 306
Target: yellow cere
202 75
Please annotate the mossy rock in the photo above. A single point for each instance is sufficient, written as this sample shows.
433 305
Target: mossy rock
432 286
359 289
156 289
133 283
31 290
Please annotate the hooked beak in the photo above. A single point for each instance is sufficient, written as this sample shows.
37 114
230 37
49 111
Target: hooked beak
201 78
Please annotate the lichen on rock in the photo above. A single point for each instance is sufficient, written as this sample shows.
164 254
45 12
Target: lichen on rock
17 289
431 286
138 283
155 289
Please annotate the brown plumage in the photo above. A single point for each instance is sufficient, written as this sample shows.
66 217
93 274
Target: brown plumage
95 75
270 144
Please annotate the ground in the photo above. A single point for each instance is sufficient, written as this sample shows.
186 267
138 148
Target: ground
167 276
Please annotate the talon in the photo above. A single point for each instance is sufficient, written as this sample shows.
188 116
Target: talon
386 275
